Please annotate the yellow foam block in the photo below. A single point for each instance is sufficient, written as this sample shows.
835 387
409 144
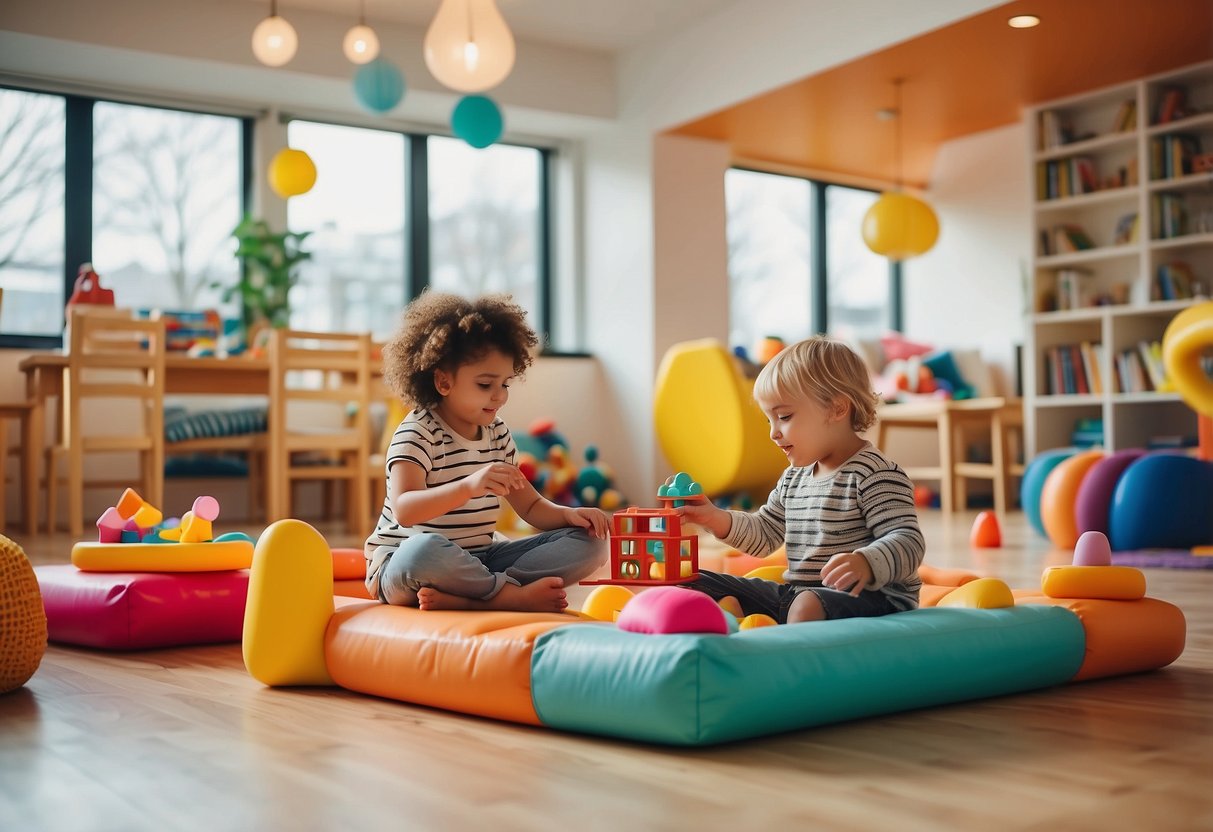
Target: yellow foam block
768 573
604 602
196 530
290 603
1109 583
163 557
732 606
981 594
657 570
147 516
755 620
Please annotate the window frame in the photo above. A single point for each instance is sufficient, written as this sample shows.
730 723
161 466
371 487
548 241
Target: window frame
78 185
418 263
819 310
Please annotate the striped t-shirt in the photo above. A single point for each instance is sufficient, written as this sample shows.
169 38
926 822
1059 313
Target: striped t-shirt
425 440
866 506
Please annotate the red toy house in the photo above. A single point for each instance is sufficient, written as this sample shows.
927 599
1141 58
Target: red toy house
648 548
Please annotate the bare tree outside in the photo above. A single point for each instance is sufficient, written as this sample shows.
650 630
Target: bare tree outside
31 211
484 223
166 198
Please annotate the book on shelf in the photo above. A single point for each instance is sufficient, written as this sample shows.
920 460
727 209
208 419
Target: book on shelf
1131 373
1073 288
1176 282
1059 178
1126 229
1173 156
1172 105
1072 369
1168 216
1150 353
1126 116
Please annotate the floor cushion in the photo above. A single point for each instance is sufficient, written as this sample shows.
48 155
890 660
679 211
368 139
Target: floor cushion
135 610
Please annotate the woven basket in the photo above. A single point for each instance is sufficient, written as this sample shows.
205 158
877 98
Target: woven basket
22 618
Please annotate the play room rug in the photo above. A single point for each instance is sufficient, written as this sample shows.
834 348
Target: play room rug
1162 559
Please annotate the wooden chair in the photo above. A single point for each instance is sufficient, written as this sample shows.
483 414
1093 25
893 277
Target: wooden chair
254 447
111 359
19 412
318 371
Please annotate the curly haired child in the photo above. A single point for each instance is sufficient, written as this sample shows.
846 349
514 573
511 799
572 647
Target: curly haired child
844 511
452 459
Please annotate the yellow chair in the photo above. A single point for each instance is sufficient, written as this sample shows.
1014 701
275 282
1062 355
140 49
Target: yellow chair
311 373
110 359
709 425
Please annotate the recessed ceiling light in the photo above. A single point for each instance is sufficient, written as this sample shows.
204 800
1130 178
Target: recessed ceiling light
1023 21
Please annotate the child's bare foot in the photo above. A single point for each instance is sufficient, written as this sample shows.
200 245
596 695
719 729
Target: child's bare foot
429 598
544 595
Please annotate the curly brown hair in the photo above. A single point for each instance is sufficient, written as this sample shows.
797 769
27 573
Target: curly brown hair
445 331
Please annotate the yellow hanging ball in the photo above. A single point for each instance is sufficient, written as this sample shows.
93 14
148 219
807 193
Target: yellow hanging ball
292 172
898 226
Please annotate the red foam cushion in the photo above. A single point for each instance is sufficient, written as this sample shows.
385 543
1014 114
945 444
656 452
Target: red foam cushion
136 610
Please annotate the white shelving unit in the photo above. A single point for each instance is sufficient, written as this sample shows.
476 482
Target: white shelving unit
1095 276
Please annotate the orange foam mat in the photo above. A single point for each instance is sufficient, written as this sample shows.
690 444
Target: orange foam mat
1122 636
448 660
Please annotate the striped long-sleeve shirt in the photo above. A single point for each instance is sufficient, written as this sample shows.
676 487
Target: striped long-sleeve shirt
425 440
866 506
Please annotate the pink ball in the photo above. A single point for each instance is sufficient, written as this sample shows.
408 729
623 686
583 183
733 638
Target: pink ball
1092 549
206 508
672 609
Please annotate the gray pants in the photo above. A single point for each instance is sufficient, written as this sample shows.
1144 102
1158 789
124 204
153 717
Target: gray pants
432 560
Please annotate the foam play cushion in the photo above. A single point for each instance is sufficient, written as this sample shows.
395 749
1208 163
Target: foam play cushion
135 610
162 557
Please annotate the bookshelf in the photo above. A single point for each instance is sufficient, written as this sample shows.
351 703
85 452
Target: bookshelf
1123 225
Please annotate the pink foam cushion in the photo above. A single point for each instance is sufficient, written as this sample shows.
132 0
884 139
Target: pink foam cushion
672 609
135 610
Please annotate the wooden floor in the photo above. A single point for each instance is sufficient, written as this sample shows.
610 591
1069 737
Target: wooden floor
185 739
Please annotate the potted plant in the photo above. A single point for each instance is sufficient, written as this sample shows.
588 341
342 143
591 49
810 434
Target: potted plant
270 262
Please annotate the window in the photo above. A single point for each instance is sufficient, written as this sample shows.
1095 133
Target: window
166 196
148 195
484 220
31 213
392 214
355 280
769 256
858 283
798 264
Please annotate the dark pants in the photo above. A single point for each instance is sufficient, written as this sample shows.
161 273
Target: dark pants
769 598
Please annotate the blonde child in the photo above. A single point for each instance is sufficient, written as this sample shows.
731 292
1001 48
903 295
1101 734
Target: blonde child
844 511
452 459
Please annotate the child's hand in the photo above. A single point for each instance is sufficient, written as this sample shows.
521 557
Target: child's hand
592 519
499 478
847 572
701 511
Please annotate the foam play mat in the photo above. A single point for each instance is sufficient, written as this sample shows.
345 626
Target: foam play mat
566 672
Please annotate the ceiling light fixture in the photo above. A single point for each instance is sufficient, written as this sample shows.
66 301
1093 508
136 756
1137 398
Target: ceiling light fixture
1023 21
468 46
361 44
274 40
898 225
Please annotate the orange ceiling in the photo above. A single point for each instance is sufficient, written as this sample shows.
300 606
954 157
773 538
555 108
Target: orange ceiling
973 75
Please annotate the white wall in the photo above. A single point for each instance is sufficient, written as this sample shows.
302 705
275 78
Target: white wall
968 290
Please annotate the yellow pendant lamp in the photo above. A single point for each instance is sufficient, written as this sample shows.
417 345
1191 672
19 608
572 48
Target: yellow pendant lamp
899 225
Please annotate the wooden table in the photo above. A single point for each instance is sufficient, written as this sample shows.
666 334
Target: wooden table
44 374
997 416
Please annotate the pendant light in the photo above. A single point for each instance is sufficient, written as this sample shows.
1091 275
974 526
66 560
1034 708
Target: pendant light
361 44
274 40
468 46
899 225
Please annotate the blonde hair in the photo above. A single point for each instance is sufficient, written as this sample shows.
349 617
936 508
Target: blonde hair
820 369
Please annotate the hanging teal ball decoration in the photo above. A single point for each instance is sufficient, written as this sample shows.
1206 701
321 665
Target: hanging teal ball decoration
477 120
379 85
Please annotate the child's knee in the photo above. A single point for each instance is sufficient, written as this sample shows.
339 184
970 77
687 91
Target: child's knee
420 556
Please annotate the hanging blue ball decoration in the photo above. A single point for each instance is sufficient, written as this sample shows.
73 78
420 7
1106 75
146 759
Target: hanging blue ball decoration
477 120
379 85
